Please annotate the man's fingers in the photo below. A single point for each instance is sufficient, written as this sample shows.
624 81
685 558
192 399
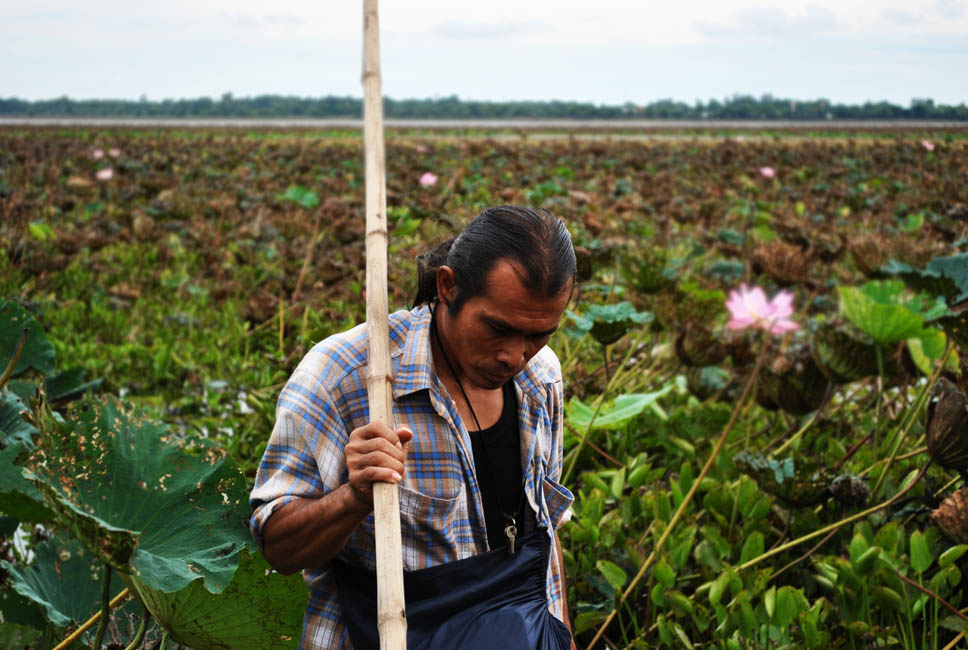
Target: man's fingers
375 459
404 434
374 445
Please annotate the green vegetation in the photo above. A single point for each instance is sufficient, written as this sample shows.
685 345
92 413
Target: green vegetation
736 488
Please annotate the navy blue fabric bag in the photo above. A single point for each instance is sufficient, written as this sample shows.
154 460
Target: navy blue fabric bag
488 601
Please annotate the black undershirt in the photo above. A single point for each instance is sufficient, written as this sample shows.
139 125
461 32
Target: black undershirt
499 469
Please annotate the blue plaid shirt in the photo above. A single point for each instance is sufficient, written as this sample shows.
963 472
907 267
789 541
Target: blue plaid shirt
441 512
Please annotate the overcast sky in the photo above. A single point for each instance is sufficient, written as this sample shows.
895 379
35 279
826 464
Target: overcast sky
602 51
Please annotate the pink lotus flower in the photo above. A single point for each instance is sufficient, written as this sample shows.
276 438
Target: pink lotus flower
105 174
767 172
428 179
927 144
750 308
97 154
114 152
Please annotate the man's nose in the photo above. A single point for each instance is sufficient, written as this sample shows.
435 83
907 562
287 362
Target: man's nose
513 354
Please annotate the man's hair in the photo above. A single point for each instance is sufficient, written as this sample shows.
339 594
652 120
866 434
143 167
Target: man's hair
535 242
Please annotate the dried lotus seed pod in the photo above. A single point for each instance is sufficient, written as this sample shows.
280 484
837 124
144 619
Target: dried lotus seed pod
952 516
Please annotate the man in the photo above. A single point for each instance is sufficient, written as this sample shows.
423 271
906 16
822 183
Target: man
477 399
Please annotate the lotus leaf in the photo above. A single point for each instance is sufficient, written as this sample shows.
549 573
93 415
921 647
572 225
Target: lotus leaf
260 609
943 276
300 196
926 348
625 409
68 385
798 485
18 496
65 580
877 311
841 357
38 352
609 323
142 502
13 635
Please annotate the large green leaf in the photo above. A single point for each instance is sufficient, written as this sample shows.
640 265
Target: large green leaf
38 353
876 310
18 496
144 503
69 385
260 609
616 415
943 276
64 579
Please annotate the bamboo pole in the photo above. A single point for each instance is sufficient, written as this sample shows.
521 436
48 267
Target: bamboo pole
391 615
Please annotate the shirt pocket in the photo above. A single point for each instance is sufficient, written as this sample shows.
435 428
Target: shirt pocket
434 530
557 499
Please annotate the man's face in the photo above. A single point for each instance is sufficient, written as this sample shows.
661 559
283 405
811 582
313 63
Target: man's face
494 335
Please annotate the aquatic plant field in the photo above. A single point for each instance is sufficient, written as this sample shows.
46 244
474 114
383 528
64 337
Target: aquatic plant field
765 372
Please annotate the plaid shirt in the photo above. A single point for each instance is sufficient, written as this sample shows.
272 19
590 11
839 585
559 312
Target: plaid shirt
441 512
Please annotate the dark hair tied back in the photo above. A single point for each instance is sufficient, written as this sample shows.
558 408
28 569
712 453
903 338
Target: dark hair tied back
534 241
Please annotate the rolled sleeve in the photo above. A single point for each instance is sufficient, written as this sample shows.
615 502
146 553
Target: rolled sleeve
304 458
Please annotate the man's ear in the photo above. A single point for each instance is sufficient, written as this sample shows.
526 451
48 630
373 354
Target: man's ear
446 284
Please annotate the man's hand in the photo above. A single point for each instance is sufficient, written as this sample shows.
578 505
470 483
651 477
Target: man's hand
307 533
376 453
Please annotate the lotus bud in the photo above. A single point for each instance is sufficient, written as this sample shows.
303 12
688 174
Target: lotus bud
946 431
696 346
952 516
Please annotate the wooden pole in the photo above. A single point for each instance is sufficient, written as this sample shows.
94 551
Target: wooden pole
391 613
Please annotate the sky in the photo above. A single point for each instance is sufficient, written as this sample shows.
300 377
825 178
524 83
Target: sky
603 51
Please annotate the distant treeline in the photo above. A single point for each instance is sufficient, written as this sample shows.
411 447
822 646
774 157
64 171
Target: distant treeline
766 107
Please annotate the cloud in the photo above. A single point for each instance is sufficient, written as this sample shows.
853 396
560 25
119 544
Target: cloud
771 21
478 30
951 8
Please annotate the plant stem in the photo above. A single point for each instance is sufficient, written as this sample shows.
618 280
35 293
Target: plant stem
598 407
105 608
140 635
880 389
17 351
938 598
835 525
912 416
687 499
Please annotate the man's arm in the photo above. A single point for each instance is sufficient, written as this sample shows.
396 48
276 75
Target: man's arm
307 533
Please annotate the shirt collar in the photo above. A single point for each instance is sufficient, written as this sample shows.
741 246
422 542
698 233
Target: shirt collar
414 371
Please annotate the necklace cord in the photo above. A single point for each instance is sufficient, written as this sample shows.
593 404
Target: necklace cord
487 457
